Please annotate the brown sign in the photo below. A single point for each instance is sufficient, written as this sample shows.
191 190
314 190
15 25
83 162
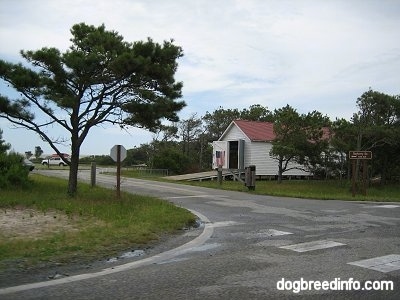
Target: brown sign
360 155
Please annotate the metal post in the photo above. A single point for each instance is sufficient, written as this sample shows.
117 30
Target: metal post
93 174
118 171
353 177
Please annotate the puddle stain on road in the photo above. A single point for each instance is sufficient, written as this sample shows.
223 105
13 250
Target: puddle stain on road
129 254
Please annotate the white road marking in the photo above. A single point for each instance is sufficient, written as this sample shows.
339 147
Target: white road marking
273 232
311 246
191 196
383 264
385 206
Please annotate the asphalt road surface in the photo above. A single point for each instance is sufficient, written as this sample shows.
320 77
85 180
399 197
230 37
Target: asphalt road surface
248 247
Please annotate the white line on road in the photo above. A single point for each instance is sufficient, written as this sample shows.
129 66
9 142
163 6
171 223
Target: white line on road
311 246
384 206
274 232
191 196
383 264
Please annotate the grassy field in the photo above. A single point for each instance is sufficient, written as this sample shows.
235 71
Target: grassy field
101 225
311 189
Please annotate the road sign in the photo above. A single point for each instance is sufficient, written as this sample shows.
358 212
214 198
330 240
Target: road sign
118 154
354 157
114 152
360 155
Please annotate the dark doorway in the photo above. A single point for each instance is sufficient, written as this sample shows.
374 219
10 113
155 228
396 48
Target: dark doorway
233 154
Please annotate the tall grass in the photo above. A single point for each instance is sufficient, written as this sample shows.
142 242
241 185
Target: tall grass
105 225
312 189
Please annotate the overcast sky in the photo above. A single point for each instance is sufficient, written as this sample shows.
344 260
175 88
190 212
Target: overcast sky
312 55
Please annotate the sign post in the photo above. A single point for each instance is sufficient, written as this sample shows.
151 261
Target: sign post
360 154
355 156
118 154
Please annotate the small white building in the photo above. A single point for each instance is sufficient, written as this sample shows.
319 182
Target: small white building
246 143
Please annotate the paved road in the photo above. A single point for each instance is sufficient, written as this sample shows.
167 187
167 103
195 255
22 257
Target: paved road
250 247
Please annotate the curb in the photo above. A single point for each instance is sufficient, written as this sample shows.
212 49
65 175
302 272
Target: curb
167 255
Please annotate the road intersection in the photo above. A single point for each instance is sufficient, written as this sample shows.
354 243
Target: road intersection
248 246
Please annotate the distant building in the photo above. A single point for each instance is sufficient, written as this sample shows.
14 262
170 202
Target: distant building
246 143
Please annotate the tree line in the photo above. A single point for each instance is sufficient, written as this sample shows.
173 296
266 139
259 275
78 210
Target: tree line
103 79
320 145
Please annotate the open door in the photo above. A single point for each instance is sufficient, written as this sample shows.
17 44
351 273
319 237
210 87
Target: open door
233 155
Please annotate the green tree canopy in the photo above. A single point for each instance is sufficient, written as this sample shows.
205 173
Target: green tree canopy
4 147
100 79
38 152
217 121
377 128
299 139
256 112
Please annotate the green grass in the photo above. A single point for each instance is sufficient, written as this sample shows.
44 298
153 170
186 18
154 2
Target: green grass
311 189
105 225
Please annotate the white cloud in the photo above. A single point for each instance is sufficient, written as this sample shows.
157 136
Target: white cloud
311 54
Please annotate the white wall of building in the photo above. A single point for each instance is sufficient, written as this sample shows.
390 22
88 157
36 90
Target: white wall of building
256 153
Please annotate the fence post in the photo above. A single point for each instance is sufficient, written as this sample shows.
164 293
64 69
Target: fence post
93 174
250 177
220 175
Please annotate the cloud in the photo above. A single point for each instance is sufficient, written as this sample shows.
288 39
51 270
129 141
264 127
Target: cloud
309 54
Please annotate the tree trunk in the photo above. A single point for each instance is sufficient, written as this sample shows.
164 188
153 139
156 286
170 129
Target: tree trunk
280 170
73 169
201 154
342 160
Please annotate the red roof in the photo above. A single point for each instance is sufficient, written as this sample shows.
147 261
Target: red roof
264 131
257 131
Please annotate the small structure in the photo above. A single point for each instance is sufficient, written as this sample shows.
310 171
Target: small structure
246 143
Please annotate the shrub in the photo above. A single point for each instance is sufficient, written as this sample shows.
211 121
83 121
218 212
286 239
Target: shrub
171 159
12 171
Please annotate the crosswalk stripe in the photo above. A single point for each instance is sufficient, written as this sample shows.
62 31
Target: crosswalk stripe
383 264
311 246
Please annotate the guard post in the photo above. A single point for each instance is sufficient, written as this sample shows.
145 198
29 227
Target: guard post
250 177
219 174
93 174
